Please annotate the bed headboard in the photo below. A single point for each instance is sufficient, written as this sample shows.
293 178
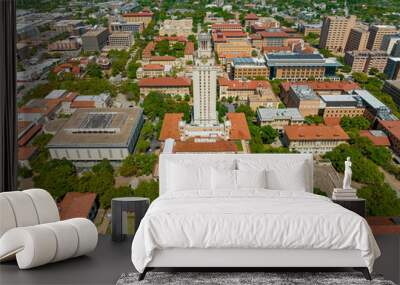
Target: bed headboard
210 159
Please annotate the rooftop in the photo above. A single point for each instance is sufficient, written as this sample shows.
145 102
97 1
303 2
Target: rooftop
343 86
377 137
170 126
100 127
315 133
240 129
299 59
270 114
249 61
303 92
94 33
76 205
165 82
218 146
56 94
392 127
243 85
394 83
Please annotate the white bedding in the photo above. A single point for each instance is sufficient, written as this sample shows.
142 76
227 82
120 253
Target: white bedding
253 218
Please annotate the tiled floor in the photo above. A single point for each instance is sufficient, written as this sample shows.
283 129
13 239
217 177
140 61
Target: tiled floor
103 266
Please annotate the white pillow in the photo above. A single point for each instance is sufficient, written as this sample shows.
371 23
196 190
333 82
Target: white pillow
293 177
183 177
223 179
251 178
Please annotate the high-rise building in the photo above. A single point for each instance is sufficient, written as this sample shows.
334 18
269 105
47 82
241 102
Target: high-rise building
376 34
205 84
95 40
392 69
358 39
363 61
335 32
388 42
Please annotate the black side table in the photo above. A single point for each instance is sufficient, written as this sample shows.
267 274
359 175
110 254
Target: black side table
357 205
137 205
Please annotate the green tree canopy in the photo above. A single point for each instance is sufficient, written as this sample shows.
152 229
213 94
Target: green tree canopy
381 200
355 123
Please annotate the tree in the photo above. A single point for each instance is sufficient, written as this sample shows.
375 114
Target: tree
364 170
248 112
57 177
147 189
316 119
354 123
94 70
222 110
254 53
373 71
381 200
99 180
42 140
268 134
142 145
105 199
360 77
138 165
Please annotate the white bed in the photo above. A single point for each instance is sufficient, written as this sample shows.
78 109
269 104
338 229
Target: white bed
222 225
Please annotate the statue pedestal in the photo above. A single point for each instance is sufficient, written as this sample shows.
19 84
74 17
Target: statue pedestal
344 194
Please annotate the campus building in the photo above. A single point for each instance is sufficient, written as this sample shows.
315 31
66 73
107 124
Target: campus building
363 61
181 27
250 68
144 16
335 32
91 135
303 98
279 118
165 85
339 106
358 39
95 40
120 40
297 66
376 34
314 139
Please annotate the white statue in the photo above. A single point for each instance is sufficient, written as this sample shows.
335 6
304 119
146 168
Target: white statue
347 174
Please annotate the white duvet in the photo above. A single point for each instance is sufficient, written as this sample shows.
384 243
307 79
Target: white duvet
250 219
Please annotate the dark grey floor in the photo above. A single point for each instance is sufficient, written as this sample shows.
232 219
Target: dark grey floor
103 266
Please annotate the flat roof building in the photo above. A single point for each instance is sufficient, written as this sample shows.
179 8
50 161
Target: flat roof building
297 66
91 135
335 32
279 118
303 98
358 39
376 34
363 61
338 106
122 40
392 129
249 68
392 69
95 40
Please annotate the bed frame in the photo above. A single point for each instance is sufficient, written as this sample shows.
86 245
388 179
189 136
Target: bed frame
242 259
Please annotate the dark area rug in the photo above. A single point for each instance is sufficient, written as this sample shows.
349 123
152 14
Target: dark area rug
243 278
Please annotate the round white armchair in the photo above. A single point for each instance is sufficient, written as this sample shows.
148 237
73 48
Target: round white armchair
31 230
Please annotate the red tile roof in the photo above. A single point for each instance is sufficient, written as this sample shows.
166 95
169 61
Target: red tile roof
251 16
243 85
165 82
321 85
83 104
381 140
162 58
393 127
76 205
275 49
170 126
278 34
332 121
189 48
383 226
75 69
139 14
22 125
315 133
29 134
218 146
26 152
153 67
239 129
